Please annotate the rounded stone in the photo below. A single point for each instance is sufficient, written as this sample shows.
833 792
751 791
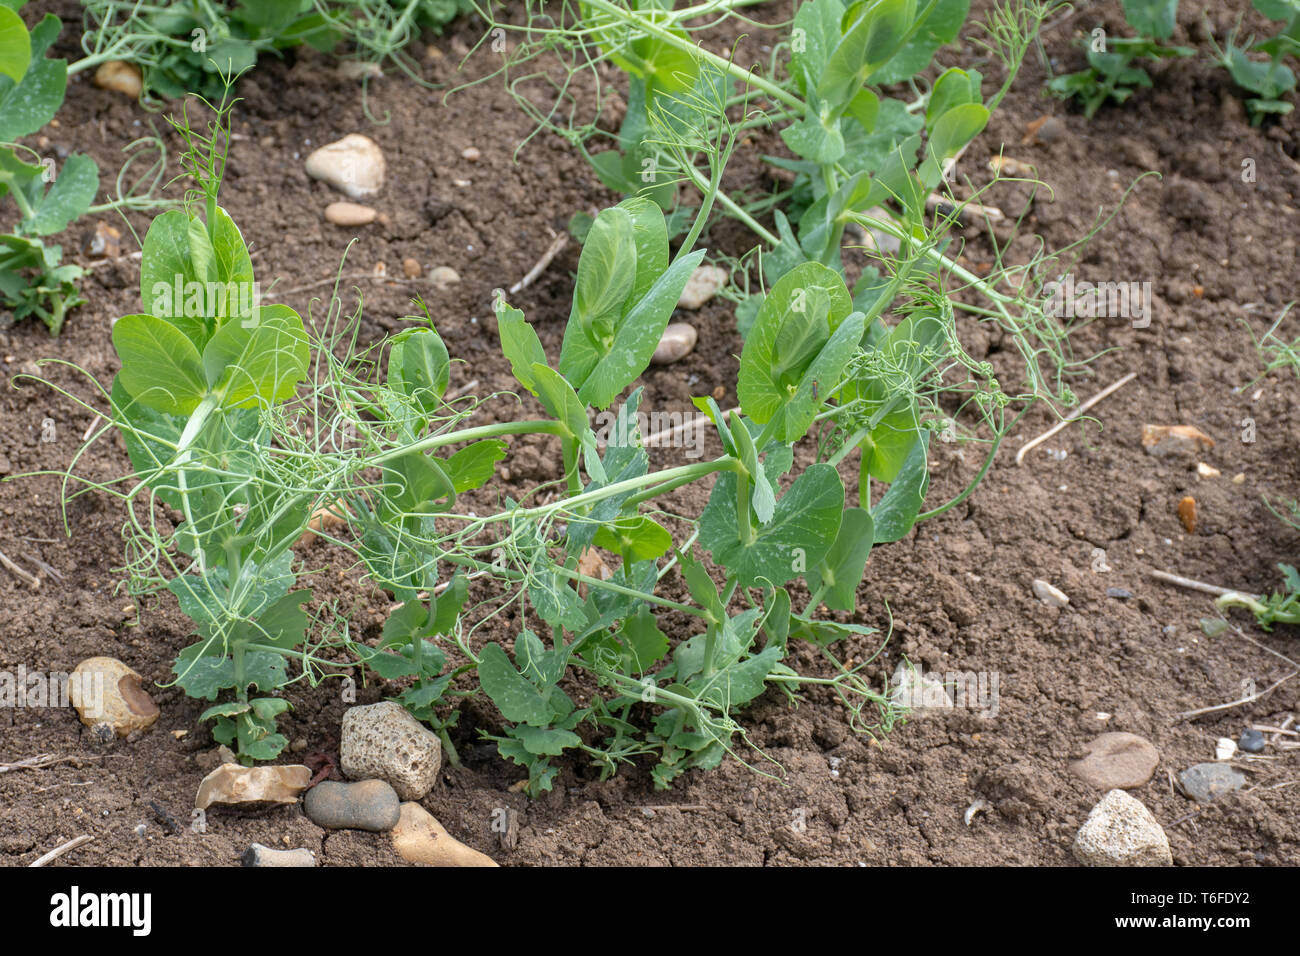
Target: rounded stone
1205 782
1117 761
106 691
675 344
384 742
367 805
1252 741
703 285
1120 831
354 165
420 838
349 214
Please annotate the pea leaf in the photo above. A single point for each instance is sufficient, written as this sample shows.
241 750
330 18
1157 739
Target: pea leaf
419 368
519 344
635 538
15 45
841 569
802 529
68 199
29 102
473 466
519 701
161 368
261 365
894 516
942 26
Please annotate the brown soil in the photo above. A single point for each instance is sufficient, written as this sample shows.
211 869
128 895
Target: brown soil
1222 256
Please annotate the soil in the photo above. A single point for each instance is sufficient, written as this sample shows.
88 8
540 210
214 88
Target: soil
1221 255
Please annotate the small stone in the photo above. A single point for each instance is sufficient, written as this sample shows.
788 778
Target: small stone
234 785
1166 440
1119 594
325 519
106 691
359 70
1207 781
120 77
675 344
354 165
368 805
420 838
210 760
410 268
1049 594
1239 478
702 286
1117 761
104 243
1251 741
443 276
258 855
1205 471
385 742
349 214
1006 166
1225 748
1187 513
1120 831
471 154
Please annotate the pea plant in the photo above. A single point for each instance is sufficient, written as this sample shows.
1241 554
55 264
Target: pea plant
862 160
183 47
242 425
1112 73
1268 80
34 279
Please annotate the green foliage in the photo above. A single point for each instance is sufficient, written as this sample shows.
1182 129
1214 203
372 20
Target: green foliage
33 278
1268 80
1111 72
184 47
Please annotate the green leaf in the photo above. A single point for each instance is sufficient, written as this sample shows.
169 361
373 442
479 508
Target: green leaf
559 399
1155 19
894 516
419 368
642 642
71 195
636 538
941 27
473 466
548 741
161 369
842 568
15 45
518 700
606 273
32 101
800 533
874 32
261 365
519 344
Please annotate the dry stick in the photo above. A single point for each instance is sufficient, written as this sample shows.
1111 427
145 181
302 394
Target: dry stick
32 580
60 850
551 252
1193 585
1020 455
456 393
33 763
1249 699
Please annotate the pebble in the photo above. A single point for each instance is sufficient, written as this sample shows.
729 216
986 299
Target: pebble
420 838
471 154
1187 513
702 286
923 696
258 855
1225 748
1166 440
234 785
354 165
410 268
1118 594
385 742
1049 594
349 214
443 276
120 77
1120 831
1206 471
1207 781
368 805
675 344
1251 741
104 243
1117 761
106 691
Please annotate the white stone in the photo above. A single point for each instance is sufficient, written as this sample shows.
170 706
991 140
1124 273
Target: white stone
384 742
353 165
1120 831
702 286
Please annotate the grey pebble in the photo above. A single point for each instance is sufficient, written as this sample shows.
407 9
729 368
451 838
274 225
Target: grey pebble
367 805
1207 781
1118 594
1252 740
